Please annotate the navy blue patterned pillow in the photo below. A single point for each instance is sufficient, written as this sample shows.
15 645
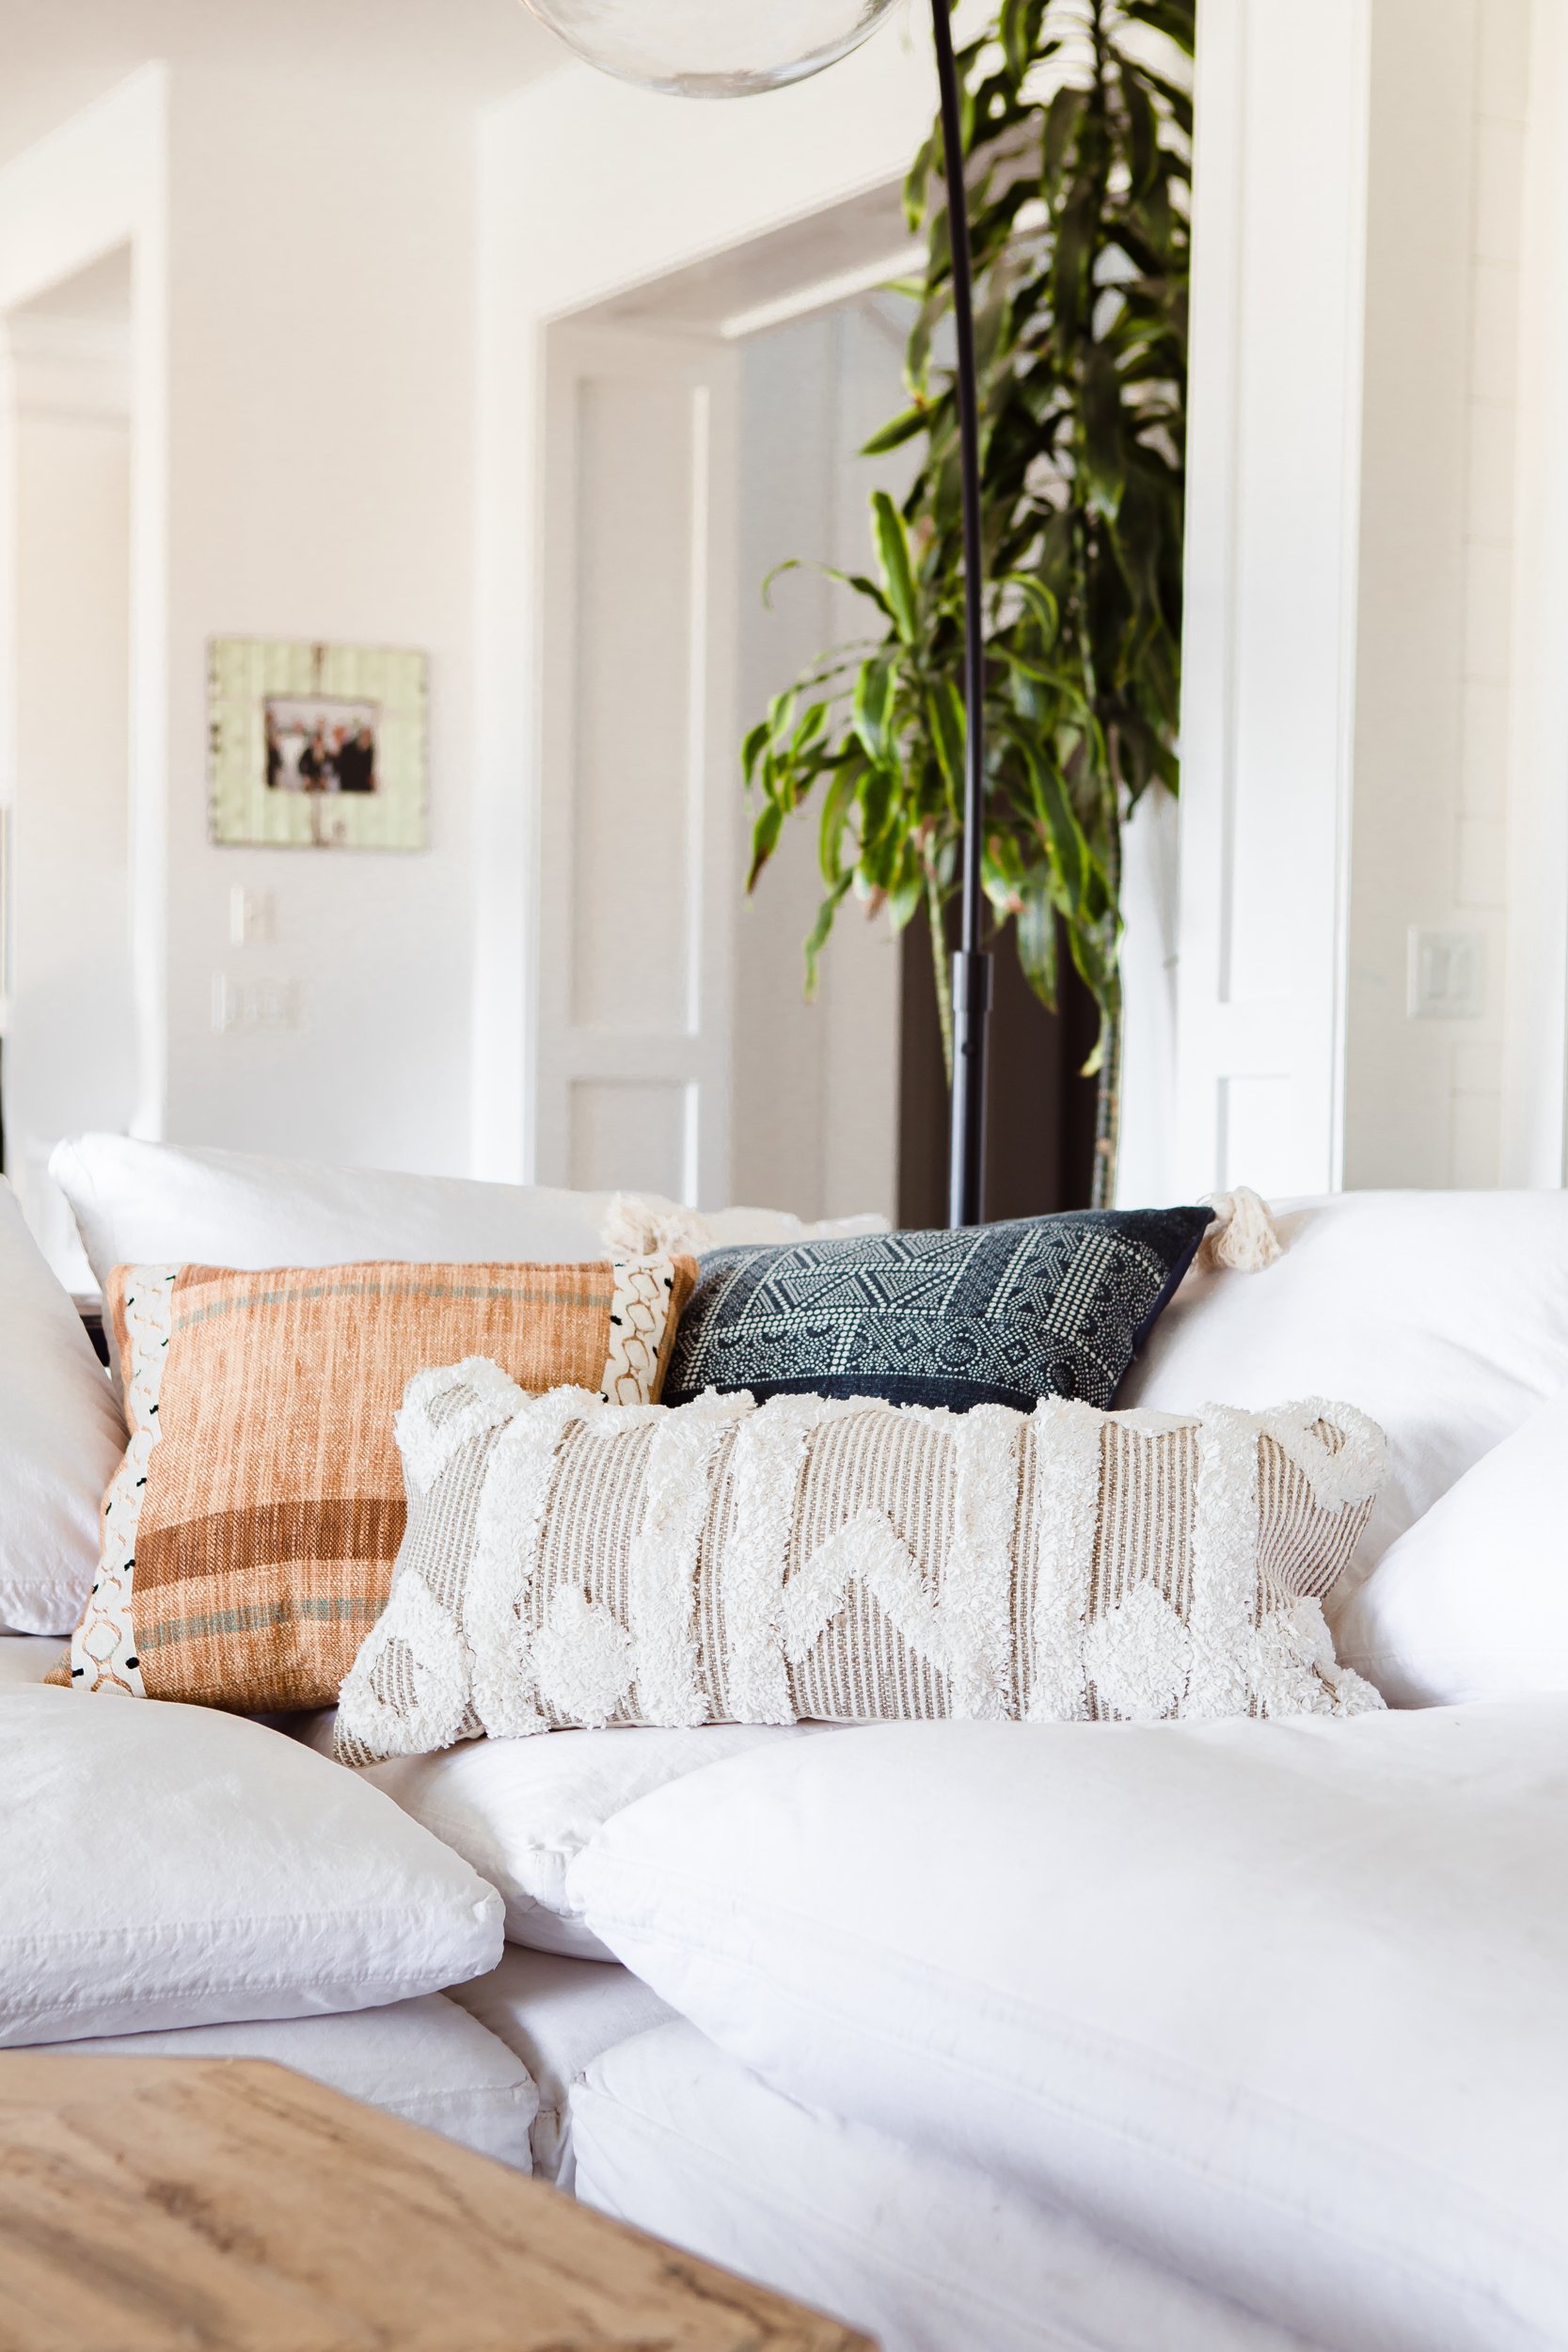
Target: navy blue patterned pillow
993 1314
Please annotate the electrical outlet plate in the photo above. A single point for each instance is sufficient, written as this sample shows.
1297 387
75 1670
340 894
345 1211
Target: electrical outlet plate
269 1004
1446 976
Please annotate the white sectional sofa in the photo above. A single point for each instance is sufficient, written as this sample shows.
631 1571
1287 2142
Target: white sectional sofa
1236 2035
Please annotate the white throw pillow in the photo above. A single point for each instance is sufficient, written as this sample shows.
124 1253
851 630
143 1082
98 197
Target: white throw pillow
172 1865
425 2061
154 1203
520 1811
1472 1601
1444 1315
1280 2003
60 1436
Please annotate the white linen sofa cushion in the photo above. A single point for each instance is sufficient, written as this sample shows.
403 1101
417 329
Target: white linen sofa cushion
1444 1315
1472 1601
26 1658
171 1865
425 2061
520 1811
925 2254
161 1204
60 1435
156 1203
1280 2003
558 2016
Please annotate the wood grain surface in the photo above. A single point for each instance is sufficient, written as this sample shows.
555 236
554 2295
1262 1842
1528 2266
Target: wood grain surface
229 2206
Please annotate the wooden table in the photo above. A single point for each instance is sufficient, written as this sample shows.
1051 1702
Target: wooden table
228 2205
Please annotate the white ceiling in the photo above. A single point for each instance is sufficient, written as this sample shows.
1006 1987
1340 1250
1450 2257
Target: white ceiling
56 55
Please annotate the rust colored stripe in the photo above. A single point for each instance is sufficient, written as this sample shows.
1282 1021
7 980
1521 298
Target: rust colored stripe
352 1527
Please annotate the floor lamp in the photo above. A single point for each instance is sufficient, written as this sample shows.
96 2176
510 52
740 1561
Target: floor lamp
734 49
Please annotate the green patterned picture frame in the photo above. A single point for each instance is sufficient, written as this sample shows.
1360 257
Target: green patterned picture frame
312 746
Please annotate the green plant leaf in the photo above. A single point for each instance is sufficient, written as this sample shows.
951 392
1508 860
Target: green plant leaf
916 183
765 841
892 436
808 730
944 713
1035 934
817 938
752 749
873 707
892 555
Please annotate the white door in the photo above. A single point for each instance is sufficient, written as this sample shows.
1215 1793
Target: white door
641 764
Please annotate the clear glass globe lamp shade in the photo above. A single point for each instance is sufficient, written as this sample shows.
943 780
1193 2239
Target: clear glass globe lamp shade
711 48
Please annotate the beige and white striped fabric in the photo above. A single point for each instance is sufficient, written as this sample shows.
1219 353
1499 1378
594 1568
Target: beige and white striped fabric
566 1562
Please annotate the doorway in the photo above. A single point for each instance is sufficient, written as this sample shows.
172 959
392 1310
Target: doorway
702 431
70 1039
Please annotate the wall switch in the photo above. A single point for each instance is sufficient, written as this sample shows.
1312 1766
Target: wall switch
252 917
1446 976
254 1004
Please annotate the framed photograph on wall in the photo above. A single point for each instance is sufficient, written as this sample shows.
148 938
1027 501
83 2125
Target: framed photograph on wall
317 747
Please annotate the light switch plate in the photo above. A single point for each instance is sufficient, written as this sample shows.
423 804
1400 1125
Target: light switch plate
1446 976
252 917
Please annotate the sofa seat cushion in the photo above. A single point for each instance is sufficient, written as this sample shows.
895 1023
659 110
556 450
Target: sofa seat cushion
422 2059
171 1865
520 1811
1279 2003
557 2017
924 2253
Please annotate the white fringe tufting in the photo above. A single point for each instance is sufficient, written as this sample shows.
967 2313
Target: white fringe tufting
1243 1236
639 1225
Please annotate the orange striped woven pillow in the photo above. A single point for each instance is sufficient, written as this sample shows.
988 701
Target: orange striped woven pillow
249 1533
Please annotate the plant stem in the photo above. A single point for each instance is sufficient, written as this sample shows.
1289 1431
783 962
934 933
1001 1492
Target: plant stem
1107 1119
1107 1107
940 967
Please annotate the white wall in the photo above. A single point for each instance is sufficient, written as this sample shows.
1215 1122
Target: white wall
1448 81
302 373
71 1034
816 1086
1535 1058
94 187
321 486
1354 662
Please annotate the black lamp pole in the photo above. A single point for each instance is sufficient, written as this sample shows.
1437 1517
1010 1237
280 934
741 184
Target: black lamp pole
966 1167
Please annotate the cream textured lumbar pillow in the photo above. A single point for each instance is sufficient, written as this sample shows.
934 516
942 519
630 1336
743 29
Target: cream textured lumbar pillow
572 1563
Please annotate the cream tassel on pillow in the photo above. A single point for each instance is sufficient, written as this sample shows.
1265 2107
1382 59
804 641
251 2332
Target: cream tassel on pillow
1243 1236
638 1225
